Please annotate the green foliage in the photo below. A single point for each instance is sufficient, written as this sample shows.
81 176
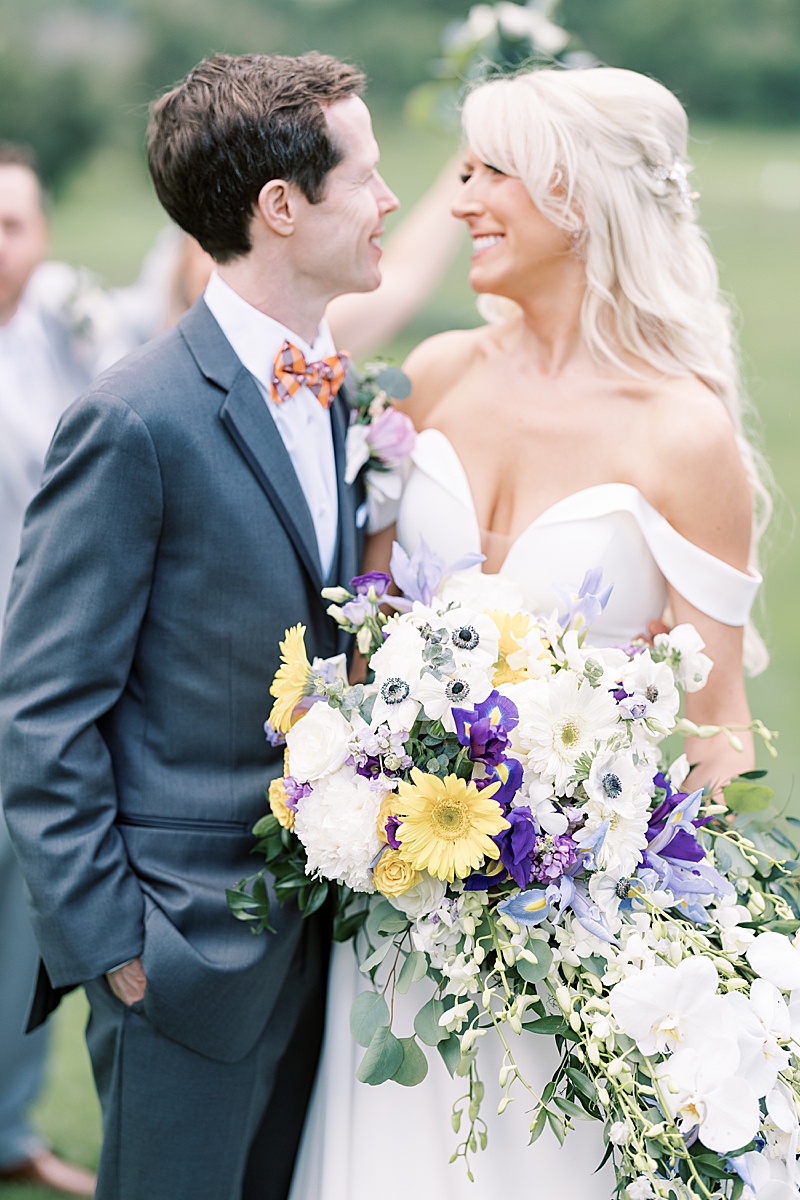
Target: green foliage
383 1058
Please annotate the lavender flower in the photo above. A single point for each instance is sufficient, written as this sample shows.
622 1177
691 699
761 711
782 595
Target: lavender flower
391 436
420 576
553 857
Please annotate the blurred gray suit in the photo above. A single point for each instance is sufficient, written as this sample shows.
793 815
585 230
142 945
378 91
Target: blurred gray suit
163 558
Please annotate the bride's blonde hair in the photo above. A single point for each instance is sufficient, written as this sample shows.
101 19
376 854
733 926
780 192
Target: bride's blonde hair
602 153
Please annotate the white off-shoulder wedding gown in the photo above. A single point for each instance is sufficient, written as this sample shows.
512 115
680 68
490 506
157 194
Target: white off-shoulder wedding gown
394 1143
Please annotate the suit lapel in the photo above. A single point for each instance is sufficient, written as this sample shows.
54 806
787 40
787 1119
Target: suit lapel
245 417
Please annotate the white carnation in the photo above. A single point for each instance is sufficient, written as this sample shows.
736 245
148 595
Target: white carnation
337 825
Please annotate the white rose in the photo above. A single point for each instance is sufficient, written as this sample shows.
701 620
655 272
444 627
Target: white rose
422 898
318 743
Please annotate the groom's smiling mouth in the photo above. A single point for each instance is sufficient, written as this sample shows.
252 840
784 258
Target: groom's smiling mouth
485 241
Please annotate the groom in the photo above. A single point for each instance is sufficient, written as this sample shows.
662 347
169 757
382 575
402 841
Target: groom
193 506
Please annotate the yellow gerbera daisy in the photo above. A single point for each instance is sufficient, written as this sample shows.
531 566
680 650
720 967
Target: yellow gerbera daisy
291 678
447 824
511 629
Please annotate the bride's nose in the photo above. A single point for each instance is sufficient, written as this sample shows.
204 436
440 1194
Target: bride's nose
468 202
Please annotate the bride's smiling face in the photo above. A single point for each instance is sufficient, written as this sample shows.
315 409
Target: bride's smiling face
512 241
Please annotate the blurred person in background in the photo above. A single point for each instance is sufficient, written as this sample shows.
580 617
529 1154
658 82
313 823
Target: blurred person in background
41 370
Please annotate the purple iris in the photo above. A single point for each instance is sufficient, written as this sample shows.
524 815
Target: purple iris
484 729
391 831
683 844
590 601
509 775
517 844
420 576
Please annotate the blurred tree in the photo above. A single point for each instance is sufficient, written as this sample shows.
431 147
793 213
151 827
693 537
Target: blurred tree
53 109
724 58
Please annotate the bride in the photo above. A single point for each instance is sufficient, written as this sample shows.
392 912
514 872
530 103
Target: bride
594 421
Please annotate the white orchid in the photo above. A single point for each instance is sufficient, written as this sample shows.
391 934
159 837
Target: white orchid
701 1091
682 649
774 957
762 1025
669 1008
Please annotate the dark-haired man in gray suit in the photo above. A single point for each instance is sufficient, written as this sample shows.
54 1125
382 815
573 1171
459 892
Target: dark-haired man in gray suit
193 505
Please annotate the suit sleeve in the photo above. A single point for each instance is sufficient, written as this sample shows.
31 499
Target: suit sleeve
78 599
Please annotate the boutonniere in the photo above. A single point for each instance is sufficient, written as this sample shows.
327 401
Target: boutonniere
379 436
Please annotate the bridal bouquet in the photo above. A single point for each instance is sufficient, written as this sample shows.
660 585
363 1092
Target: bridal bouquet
495 811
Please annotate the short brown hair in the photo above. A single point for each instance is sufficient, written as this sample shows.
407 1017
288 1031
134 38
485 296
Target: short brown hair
234 123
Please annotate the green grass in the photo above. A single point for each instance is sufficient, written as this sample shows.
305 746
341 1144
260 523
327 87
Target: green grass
67 1113
108 221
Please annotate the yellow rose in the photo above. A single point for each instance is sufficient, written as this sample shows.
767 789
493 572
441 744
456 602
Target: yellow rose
278 805
392 874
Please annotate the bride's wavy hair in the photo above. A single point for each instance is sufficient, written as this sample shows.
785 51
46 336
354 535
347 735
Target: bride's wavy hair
602 153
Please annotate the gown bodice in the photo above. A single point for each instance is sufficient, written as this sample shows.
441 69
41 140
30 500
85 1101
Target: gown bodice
610 525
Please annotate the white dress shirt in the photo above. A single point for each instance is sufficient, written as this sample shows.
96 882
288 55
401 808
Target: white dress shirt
304 425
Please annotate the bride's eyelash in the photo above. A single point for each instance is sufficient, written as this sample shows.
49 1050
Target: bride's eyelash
465 176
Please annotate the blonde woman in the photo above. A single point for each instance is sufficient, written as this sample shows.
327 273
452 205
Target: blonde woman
594 421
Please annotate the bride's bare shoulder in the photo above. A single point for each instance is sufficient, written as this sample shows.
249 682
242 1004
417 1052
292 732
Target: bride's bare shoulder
438 364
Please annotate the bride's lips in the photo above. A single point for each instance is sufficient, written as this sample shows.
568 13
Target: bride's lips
483 242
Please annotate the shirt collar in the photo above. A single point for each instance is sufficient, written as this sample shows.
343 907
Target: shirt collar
255 337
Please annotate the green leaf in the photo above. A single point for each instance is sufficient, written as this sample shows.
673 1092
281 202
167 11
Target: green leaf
396 923
266 826
534 972
376 914
558 1127
395 382
426 1023
414 969
742 796
582 1083
346 927
450 1051
571 1109
368 1013
414 1066
537 1129
384 1056
738 1188
315 899
375 959
548 1026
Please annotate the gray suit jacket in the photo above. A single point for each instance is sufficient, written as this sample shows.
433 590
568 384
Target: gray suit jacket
166 553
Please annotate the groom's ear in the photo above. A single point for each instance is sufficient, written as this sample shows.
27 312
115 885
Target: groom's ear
276 207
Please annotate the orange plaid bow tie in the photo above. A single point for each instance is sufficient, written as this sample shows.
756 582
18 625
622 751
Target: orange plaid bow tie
291 372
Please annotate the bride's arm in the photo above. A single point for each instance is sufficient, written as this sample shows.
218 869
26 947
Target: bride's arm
705 495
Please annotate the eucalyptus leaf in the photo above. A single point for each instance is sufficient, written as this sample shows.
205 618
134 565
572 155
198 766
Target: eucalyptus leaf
450 1051
414 1066
743 796
414 969
375 959
426 1023
534 972
384 1056
394 382
368 1013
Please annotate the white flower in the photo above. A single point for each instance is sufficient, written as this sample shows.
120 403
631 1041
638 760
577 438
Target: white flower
616 784
652 694
423 898
700 1091
761 1022
560 719
440 696
605 664
472 589
337 825
521 21
317 743
774 957
640 1189
619 1133
667 1008
474 638
539 798
681 649
356 450
624 837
